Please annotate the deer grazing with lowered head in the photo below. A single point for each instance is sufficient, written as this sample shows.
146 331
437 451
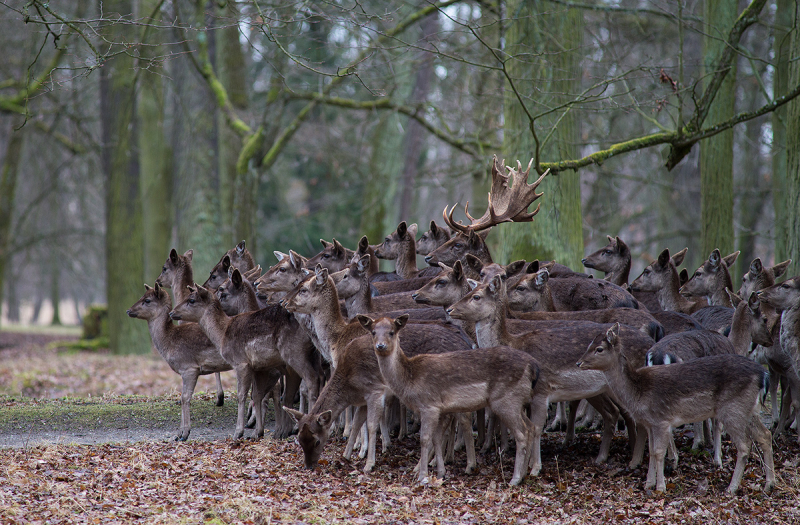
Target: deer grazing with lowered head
500 378
185 348
356 378
178 275
729 388
255 344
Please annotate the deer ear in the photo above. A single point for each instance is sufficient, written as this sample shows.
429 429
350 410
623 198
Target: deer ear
714 259
236 278
474 263
735 299
495 284
366 321
779 268
325 418
663 258
401 321
324 243
280 255
458 270
296 414
363 243
402 229
230 271
515 267
306 271
542 276
621 246
753 303
683 277
756 267
677 259
363 263
188 254
730 259
226 262
610 239
240 248
173 256
202 292
434 228
612 334
412 230
147 287
533 266
472 284
339 248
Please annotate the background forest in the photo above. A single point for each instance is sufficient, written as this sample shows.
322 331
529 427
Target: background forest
128 127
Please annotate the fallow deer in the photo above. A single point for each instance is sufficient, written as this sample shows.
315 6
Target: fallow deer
185 348
356 378
432 239
729 388
333 256
178 275
615 260
555 350
758 277
400 246
238 257
661 277
711 280
255 343
500 378
785 297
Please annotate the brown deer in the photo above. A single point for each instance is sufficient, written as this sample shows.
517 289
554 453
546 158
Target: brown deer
356 378
333 256
255 343
400 247
500 378
353 285
758 277
729 388
237 294
785 297
432 239
185 348
538 292
661 277
238 257
507 203
178 275
556 351
615 260
711 280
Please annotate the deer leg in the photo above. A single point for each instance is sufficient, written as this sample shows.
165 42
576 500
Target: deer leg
187 389
362 441
448 435
348 420
220 391
650 482
559 419
699 440
446 424
571 416
763 437
660 440
717 442
244 380
610 414
465 423
539 419
385 435
292 382
262 383
375 408
481 416
490 432
518 425
403 432
359 416
638 448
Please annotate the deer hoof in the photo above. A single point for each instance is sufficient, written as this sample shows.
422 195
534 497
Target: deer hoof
220 398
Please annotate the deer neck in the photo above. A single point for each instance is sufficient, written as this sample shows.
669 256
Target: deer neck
184 278
360 302
332 397
329 325
546 303
406 264
492 331
623 381
790 330
214 323
396 369
739 335
670 299
160 328
719 297
619 276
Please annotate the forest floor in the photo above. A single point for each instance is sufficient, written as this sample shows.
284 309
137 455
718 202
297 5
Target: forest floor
86 437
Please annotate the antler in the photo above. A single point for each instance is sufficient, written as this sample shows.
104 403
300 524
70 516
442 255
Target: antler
506 204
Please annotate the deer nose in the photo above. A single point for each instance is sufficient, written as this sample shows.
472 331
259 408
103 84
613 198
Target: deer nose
413 296
583 261
174 316
380 346
449 311
428 258
128 312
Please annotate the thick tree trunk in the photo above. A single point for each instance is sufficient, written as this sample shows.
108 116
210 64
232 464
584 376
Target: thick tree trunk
8 189
792 193
156 179
124 229
716 153
782 40
542 67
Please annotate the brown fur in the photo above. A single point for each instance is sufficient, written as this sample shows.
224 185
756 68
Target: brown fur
333 256
711 280
661 277
432 239
238 257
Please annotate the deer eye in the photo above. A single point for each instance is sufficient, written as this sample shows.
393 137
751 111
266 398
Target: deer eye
520 288
476 297
163 268
147 301
744 279
387 239
606 252
483 274
282 269
696 274
459 245
646 272
326 256
391 334
441 282
599 350
191 301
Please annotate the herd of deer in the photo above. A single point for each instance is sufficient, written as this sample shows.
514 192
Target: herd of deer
466 342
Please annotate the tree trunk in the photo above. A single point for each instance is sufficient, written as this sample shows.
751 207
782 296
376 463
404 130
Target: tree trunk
124 228
716 153
541 66
792 193
156 179
8 188
784 19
